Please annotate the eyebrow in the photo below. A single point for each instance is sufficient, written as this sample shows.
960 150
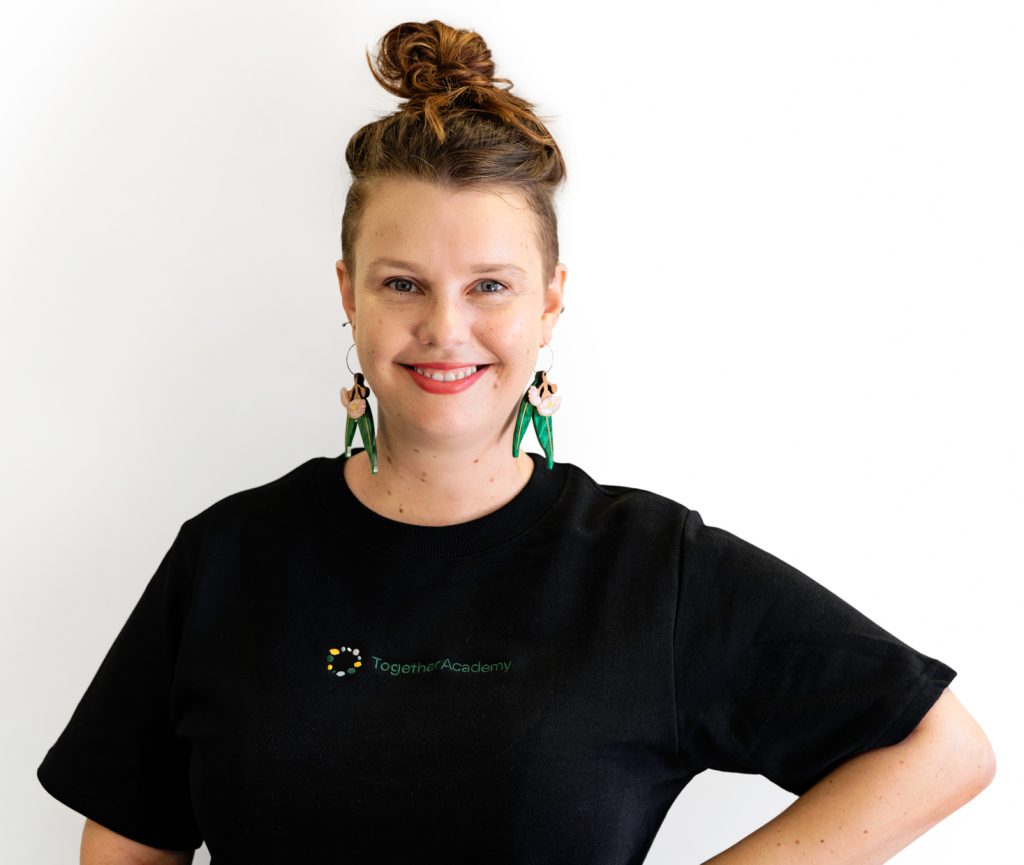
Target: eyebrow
478 268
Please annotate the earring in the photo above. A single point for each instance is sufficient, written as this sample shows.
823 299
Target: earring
538 404
359 414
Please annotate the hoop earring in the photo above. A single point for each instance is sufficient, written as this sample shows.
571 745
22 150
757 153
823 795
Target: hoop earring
537 405
359 414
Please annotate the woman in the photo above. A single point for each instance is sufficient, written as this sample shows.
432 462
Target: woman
438 646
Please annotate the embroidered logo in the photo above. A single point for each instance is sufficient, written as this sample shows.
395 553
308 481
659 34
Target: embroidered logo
342 666
334 655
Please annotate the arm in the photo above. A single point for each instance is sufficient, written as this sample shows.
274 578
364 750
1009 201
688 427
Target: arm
875 804
102 846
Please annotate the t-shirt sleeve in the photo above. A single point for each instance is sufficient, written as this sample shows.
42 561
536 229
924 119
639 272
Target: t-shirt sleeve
118 760
776 675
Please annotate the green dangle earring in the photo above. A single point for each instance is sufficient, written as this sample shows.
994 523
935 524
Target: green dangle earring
359 414
538 404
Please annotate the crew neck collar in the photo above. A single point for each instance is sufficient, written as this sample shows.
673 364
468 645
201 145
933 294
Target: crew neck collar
526 510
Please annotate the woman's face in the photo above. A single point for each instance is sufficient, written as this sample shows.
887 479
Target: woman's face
449 277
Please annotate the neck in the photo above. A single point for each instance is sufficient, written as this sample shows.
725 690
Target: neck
432 484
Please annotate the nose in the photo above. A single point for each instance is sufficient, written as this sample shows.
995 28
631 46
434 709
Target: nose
446 320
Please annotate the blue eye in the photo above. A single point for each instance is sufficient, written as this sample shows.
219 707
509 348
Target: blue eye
504 288
399 279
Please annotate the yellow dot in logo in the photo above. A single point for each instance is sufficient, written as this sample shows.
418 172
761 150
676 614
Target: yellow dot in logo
358 664
330 666
335 652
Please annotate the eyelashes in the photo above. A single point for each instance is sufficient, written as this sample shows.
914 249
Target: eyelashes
399 279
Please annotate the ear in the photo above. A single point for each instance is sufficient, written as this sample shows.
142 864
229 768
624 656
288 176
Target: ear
553 296
348 292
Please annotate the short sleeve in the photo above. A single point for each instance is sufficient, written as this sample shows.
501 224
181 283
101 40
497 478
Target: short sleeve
778 676
118 761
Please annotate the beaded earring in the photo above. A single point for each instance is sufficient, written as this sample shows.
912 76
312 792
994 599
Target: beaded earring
538 404
359 414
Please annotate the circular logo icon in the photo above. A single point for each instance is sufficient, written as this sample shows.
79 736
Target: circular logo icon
336 663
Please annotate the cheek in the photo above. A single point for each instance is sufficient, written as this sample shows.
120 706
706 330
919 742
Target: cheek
513 335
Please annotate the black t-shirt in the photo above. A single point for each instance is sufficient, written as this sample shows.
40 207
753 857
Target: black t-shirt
306 680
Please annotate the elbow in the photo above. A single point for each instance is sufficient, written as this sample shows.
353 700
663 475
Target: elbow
975 762
985 764
956 747
978 758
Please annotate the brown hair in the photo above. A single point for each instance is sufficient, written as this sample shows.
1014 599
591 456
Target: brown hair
456 129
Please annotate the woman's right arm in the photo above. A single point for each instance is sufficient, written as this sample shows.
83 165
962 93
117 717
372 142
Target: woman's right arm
102 846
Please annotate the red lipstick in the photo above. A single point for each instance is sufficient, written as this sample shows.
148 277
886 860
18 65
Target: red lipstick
432 385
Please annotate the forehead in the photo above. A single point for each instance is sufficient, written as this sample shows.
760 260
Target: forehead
422 222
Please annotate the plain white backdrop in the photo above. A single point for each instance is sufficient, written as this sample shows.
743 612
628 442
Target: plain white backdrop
793 234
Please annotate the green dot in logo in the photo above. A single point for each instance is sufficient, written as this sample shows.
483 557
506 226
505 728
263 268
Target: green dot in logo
351 669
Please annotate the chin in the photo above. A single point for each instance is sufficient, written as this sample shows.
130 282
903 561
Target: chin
439 426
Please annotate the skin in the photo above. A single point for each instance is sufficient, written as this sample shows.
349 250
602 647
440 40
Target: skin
446 458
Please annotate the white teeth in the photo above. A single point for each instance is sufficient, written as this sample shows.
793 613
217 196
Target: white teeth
450 375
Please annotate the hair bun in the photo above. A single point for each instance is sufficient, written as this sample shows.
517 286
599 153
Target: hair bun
419 60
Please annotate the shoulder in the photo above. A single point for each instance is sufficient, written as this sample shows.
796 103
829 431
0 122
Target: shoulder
649 517
272 503
621 507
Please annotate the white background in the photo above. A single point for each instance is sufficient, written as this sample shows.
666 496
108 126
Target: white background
793 233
